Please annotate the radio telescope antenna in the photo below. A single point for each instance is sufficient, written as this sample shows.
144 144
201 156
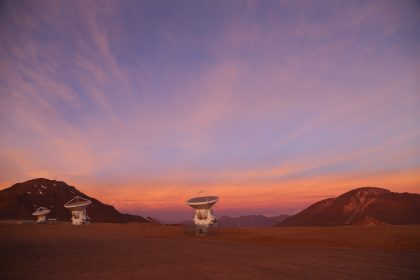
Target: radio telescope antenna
78 206
41 213
204 217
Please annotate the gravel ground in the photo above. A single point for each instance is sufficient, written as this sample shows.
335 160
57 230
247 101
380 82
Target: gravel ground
144 251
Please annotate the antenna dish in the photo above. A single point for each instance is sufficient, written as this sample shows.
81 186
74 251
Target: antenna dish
204 217
41 214
202 202
78 207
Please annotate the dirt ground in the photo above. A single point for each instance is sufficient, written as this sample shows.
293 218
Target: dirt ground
145 251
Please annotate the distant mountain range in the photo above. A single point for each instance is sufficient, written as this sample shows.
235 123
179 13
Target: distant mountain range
245 221
22 199
250 221
362 206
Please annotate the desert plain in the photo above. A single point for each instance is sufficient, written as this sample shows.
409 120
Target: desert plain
148 251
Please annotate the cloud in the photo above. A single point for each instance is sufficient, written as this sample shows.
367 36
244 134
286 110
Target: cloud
276 104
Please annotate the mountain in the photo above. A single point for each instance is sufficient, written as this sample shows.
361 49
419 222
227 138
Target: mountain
250 221
360 206
22 199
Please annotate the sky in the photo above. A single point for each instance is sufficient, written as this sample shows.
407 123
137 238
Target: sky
271 105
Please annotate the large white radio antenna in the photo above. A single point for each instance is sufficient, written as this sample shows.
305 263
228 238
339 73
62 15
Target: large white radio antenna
78 207
204 217
41 214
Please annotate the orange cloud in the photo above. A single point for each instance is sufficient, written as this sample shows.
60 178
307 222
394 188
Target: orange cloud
287 193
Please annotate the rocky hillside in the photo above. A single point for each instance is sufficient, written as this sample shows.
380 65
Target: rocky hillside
20 200
369 206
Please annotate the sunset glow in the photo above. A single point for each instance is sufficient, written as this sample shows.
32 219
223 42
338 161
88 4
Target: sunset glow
271 105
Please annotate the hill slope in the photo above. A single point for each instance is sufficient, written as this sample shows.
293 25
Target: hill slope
360 206
21 199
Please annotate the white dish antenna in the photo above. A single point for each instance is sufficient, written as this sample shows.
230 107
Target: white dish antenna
78 207
41 213
204 217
